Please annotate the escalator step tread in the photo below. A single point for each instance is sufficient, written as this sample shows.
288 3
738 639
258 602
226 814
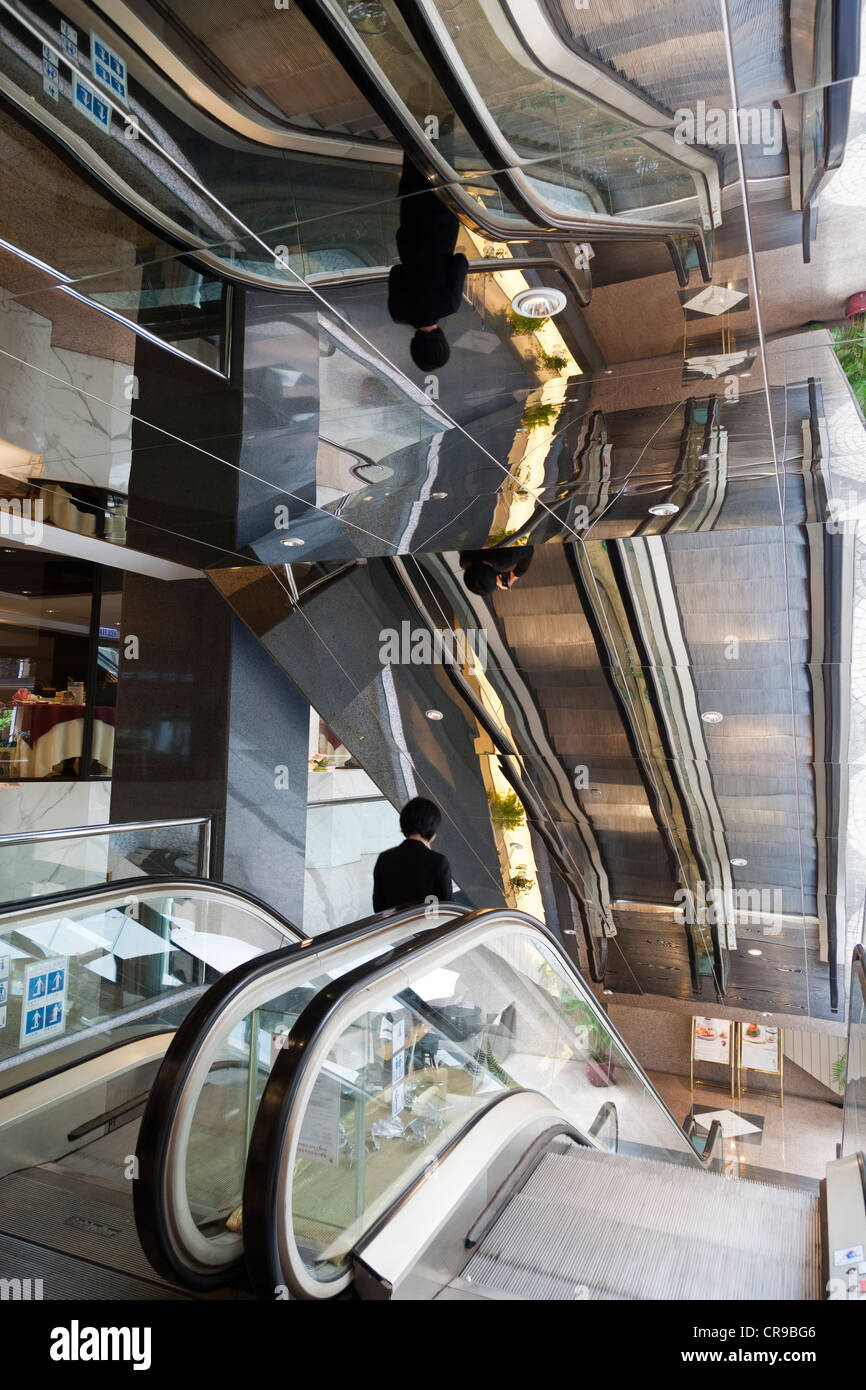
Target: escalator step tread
593 1225
63 1277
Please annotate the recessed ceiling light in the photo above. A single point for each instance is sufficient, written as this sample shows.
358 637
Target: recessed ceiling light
540 303
766 1015
664 509
739 863
712 716
607 991
755 952
438 496
291 541
434 714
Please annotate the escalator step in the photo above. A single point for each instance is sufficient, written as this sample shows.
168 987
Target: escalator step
594 1225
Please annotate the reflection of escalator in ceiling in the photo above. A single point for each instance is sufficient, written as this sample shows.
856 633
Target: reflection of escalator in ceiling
272 60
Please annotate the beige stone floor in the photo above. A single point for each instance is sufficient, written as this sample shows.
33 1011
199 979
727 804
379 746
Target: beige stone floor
798 1139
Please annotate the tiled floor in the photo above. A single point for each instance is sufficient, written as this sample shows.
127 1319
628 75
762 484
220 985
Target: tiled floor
798 1139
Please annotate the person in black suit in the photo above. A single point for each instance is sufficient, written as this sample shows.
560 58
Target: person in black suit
428 283
486 570
411 872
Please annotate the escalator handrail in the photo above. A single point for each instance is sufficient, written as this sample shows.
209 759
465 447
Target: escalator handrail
505 163
714 1141
169 1086
604 1112
196 250
23 909
294 1072
277 129
341 39
475 114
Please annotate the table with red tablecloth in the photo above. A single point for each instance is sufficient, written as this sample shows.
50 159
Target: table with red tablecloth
46 735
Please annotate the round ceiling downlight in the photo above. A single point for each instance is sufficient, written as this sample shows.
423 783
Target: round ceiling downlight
292 541
434 714
664 509
739 863
712 716
540 303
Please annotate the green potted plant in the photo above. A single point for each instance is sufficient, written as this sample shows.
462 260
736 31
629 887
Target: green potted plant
840 1072
599 1064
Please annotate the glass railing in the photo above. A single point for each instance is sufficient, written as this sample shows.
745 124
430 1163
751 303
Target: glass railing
383 1072
38 863
854 1111
194 1136
83 972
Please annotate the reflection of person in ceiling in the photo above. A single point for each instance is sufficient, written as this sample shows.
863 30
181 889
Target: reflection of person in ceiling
428 283
486 570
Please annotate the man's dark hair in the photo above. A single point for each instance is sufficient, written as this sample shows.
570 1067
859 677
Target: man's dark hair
480 578
420 817
429 350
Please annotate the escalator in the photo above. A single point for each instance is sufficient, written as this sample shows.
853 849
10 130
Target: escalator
99 983
250 202
432 1129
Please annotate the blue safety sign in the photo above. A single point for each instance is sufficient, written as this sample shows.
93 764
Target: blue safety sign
44 1006
90 103
108 67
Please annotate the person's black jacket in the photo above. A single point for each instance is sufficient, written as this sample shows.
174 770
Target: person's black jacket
428 284
408 874
503 559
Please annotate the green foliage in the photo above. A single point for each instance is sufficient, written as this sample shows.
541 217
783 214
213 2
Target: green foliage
840 1069
497 538
522 325
535 416
851 350
507 811
521 884
552 361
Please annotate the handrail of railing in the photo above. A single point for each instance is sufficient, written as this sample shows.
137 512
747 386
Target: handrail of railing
82 832
268 1181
